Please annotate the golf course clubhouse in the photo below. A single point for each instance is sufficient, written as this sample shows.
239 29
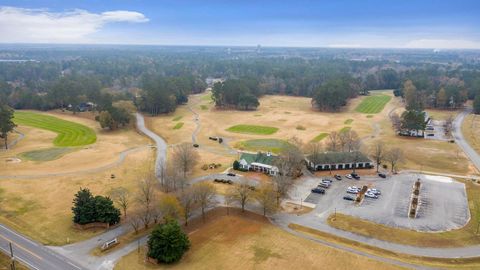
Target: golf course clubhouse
259 162
338 161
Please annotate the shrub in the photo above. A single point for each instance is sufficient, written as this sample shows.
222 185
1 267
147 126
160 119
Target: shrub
236 165
168 242
88 209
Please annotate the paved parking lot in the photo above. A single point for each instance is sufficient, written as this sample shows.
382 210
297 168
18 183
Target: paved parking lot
443 202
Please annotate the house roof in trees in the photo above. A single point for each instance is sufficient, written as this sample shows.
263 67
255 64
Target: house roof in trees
338 158
259 157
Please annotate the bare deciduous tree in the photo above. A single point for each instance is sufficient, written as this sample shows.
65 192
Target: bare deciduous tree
170 207
378 153
332 144
394 156
242 193
146 198
449 125
184 157
266 197
135 222
188 202
396 122
204 195
291 159
353 142
122 197
281 183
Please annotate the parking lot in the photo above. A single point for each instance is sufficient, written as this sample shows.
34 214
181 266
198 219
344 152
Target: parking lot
443 201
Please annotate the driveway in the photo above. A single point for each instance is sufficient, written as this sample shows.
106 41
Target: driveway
461 141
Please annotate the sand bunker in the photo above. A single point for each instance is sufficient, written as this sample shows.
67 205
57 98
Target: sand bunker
13 160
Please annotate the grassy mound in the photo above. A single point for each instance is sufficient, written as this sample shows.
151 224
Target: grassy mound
69 133
373 104
179 125
320 137
46 154
252 129
265 145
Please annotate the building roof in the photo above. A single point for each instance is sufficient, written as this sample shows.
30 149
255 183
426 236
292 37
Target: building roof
338 157
258 158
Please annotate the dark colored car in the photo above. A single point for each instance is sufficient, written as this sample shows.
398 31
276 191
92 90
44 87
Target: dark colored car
430 134
348 198
195 145
355 176
231 174
382 175
338 177
318 190
326 181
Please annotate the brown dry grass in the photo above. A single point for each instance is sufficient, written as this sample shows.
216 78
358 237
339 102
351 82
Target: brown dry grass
466 236
41 208
248 241
5 263
456 263
471 131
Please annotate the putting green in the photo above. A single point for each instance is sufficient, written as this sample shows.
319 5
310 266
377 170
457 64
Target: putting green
46 154
69 133
252 129
266 145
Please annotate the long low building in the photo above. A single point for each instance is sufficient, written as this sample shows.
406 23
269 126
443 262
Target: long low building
259 162
338 161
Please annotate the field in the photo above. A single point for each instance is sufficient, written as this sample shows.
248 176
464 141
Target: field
5 263
248 241
68 133
456 238
252 129
270 145
373 104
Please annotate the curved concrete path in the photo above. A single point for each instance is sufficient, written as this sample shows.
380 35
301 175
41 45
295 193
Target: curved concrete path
462 142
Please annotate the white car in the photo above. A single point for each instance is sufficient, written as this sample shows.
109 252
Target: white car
371 195
349 176
374 191
353 190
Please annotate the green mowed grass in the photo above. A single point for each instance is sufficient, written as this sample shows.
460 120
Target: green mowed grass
373 104
348 121
46 154
345 129
179 125
252 129
266 145
320 137
69 133
177 118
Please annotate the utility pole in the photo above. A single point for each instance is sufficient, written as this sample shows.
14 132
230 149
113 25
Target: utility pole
12 265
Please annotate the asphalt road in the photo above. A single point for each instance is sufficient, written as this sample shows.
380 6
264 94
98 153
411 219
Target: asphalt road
159 142
462 142
32 254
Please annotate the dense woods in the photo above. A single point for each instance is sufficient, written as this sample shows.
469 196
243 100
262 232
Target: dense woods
157 79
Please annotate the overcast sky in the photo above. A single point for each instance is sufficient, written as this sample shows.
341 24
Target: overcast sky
334 23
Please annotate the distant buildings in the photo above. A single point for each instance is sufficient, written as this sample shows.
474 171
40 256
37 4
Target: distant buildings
259 162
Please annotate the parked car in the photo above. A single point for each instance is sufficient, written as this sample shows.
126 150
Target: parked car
429 128
318 190
348 176
195 145
324 185
348 198
374 191
352 190
230 182
371 195
338 177
231 174
356 176
430 134
353 174
217 180
382 175
328 181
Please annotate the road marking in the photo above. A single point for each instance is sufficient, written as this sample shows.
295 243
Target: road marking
18 235
20 259
19 246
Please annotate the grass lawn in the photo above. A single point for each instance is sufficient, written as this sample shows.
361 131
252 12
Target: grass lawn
373 104
249 241
456 238
179 125
46 154
252 129
348 121
68 133
345 129
320 137
177 118
272 145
